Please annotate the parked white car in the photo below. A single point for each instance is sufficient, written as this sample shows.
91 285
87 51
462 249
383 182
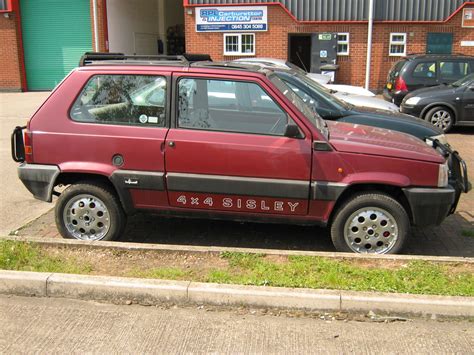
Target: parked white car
354 95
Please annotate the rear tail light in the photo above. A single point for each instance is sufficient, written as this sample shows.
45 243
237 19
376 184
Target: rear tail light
400 84
28 147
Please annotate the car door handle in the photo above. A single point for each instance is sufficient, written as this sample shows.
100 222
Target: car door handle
171 144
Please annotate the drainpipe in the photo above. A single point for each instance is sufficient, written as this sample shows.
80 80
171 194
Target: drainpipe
96 26
369 44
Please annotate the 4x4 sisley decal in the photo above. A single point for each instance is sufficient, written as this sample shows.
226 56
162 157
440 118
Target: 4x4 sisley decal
237 203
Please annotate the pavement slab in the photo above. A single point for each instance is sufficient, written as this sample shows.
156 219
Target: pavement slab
39 325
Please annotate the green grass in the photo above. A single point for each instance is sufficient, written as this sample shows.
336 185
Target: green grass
468 233
28 257
417 277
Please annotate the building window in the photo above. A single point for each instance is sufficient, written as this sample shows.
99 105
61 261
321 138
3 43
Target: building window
343 44
5 5
239 44
398 44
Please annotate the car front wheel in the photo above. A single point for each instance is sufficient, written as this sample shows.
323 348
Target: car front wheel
441 117
370 223
89 211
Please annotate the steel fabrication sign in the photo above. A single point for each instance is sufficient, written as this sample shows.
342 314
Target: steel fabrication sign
231 18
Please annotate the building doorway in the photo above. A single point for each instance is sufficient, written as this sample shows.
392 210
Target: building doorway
299 50
145 27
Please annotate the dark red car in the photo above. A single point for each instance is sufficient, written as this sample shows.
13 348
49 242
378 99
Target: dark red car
225 141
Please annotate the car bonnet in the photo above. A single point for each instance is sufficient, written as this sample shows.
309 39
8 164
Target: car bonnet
360 139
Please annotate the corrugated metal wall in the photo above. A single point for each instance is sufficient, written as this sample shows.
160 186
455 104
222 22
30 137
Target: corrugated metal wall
357 10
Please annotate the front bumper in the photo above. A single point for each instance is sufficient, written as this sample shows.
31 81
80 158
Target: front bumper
411 110
430 206
39 179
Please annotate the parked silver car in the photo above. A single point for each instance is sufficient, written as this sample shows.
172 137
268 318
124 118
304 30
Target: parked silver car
354 95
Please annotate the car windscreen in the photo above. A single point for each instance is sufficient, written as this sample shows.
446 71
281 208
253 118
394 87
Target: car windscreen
322 96
467 80
296 68
305 109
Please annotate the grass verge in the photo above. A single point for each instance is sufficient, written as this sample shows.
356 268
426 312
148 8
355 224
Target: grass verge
29 257
417 277
468 233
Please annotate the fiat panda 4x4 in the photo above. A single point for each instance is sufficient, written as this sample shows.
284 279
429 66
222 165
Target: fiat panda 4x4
227 141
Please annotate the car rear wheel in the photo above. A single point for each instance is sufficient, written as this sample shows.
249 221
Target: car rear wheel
441 117
370 223
89 211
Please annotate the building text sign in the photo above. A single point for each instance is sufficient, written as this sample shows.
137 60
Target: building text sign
231 18
468 17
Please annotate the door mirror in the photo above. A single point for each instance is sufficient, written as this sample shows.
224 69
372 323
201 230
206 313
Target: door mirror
292 131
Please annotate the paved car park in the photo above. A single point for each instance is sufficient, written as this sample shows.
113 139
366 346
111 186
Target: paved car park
16 205
448 239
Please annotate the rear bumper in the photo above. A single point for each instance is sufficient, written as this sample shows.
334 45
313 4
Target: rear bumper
395 97
39 179
430 206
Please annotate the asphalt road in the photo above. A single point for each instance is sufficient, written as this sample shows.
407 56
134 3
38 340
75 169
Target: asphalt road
42 325
17 206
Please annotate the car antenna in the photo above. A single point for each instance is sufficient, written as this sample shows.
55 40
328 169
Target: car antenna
301 61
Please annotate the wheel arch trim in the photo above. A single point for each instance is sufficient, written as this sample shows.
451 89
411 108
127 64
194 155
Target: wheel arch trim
441 104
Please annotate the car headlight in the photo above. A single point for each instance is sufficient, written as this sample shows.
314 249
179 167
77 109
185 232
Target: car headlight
412 101
441 138
443 173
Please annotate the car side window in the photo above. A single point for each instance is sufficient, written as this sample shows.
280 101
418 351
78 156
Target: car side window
138 100
228 106
453 70
425 70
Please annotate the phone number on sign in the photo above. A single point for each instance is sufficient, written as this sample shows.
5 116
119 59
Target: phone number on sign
248 27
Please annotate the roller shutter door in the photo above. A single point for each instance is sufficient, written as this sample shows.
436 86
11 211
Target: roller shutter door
55 35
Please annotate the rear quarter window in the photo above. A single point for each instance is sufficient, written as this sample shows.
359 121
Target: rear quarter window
138 100
425 70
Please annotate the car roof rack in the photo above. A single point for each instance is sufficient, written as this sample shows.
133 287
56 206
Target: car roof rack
229 65
90 58
438 54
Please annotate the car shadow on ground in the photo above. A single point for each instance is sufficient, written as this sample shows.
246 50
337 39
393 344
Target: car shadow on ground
452 238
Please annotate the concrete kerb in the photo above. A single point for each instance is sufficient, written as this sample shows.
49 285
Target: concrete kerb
152 292
217 250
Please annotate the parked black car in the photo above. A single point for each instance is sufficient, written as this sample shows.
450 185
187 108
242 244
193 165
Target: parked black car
330 107
419 71
444 106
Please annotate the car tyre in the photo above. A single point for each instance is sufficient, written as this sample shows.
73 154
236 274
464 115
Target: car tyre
441 117
370 223
89 211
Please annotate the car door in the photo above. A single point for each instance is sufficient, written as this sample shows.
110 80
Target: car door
227 150
452 70
468 104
